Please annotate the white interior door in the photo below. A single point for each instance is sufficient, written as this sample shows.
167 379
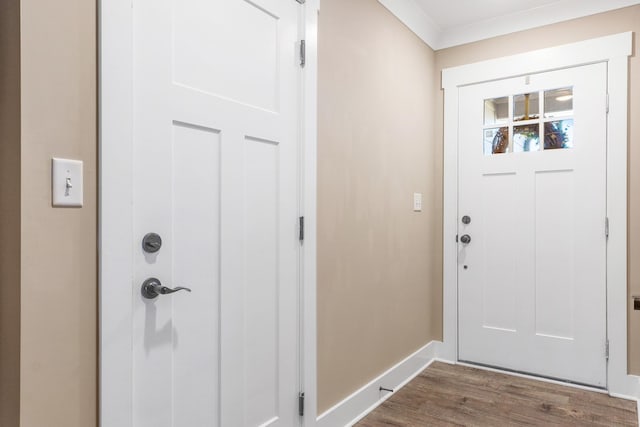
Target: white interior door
532 250
215 175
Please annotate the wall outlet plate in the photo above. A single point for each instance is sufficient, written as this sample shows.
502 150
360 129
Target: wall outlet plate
417 202
66 183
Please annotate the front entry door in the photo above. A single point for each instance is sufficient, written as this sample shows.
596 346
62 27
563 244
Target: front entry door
215 177
532 224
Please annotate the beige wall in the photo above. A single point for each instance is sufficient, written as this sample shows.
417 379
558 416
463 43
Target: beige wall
379 292
621 20
59 269
9 212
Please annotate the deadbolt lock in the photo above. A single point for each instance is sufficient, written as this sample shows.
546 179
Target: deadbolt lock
151 243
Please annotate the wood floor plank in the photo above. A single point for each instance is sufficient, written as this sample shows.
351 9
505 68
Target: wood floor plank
455 395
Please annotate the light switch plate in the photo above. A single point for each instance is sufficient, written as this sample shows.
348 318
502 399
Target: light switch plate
417 202
66 183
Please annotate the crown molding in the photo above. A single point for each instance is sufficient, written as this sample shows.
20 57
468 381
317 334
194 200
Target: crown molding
415 18
418 21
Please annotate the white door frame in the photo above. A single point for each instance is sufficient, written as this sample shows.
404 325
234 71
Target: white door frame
116 219
614 50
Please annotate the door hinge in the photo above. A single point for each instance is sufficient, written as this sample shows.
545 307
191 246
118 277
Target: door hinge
301 404
301 229
606 227
303 53
607 103
456 238
606 350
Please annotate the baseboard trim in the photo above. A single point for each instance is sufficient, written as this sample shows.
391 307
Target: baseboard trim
366 399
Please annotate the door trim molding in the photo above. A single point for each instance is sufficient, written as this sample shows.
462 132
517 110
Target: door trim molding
308 199
614 50
115 222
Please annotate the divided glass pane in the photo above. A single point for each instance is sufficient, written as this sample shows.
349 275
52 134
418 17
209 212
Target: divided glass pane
526 138
496 111
526 107
558 102
503 133
496 141
558 134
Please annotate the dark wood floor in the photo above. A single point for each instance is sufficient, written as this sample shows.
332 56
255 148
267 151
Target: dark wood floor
446 395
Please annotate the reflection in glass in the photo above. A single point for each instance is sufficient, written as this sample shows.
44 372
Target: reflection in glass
558 102
496 110
526 107
558 134
526 138
496 141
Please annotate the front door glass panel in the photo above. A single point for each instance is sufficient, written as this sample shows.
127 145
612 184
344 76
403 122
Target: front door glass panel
527 122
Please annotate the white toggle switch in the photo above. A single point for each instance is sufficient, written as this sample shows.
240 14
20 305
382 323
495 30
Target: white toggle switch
417 202
66 179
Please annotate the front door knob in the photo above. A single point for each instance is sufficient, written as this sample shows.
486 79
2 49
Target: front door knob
152 287
466 239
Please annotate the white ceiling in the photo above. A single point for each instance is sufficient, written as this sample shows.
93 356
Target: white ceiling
446 23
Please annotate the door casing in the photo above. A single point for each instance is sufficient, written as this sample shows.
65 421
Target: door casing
614 50
116 219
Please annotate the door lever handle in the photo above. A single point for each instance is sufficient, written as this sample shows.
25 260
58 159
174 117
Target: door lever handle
152 287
